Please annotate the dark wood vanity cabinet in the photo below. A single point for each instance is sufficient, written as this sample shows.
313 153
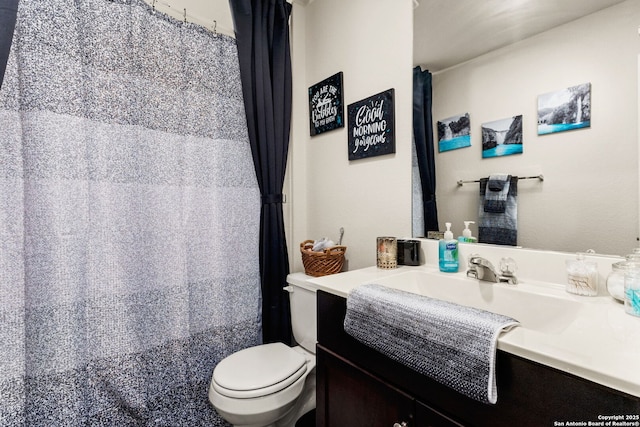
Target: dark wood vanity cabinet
359 387
376 402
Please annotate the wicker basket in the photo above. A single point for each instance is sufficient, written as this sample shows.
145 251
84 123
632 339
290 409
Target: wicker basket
322 263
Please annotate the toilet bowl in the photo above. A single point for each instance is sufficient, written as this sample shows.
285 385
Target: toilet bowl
271 384
264 385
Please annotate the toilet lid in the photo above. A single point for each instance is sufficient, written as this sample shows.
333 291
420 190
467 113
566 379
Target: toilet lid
257 371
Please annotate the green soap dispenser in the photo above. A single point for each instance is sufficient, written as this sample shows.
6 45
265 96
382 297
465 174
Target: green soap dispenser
448 251
466 234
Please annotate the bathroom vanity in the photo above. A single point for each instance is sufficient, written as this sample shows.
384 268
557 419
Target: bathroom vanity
572 361
357 386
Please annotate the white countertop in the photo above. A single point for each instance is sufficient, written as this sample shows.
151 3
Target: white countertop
601 345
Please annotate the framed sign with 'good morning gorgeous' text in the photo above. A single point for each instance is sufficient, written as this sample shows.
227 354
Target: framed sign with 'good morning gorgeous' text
372 126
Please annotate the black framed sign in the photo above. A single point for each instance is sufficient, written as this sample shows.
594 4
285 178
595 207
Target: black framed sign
326 108
372 126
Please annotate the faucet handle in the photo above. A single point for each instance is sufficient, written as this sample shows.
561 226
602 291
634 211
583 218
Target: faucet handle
508 266
508 269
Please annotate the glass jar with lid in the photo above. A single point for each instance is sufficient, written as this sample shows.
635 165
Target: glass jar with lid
632 289
615 279
582 276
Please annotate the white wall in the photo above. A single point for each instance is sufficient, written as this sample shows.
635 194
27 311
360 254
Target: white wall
214 15
589 198
370 42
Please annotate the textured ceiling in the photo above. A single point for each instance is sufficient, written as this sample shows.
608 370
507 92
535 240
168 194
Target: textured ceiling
449 32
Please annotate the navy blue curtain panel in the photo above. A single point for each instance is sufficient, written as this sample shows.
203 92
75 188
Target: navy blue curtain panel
8 11
262 37
423 139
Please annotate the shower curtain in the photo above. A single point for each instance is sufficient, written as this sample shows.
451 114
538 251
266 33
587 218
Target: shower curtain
129 217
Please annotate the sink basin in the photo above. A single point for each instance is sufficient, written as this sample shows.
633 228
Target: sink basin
590 337
546 312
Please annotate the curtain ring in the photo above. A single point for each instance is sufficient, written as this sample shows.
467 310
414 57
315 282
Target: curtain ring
185 15
153 6
215 25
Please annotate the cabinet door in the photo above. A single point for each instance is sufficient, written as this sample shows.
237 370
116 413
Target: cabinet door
429 417
349 396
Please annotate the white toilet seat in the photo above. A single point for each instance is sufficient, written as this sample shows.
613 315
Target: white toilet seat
271 384
258 371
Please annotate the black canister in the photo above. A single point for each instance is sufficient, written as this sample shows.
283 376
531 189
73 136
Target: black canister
408 252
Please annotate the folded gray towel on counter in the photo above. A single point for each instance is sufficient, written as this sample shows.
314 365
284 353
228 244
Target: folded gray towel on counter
453 344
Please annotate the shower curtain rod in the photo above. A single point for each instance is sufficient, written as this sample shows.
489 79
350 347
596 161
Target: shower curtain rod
540 177
212 26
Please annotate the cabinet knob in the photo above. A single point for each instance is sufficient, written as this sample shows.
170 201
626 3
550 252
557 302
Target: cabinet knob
402 424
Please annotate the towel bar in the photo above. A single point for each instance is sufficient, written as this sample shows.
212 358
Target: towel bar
540 177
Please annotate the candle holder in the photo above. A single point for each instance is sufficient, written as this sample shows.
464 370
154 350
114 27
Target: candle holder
387 251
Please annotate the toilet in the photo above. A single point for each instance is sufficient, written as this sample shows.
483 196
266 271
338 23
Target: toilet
272 384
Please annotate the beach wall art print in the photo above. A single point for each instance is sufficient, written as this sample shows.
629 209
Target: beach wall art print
565 109
502 137
454 132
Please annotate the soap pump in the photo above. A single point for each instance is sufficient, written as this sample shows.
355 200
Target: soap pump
466 234
448 251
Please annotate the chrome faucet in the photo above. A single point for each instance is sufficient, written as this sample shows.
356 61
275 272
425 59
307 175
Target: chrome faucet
482 269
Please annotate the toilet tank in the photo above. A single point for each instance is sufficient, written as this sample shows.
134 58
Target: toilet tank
302 299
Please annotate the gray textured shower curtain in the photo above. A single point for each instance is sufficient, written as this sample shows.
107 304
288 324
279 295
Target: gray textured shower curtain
129 217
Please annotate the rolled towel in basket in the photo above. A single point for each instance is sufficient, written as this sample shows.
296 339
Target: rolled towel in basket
322 244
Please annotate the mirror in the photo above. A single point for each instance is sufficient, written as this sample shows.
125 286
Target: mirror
589 196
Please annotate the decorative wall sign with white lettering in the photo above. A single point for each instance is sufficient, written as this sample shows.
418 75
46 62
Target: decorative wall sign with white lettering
372 126
326 108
